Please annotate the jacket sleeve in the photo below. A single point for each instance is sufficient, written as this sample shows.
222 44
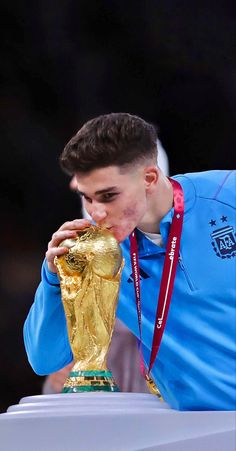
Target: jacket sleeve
45 332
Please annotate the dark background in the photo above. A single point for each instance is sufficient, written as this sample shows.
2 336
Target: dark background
171 62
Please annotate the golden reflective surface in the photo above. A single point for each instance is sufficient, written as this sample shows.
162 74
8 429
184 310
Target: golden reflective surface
90 278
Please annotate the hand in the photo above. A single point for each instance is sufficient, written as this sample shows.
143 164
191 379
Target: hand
67 230
57 380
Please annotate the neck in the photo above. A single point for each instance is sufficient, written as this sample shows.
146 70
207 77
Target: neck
159 202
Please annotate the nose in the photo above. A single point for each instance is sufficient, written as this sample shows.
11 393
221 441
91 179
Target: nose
98 212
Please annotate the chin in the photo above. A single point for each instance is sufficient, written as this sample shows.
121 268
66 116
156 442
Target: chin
120 235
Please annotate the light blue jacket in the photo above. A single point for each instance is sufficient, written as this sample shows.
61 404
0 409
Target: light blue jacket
196 365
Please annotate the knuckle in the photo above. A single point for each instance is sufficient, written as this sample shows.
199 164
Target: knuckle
66 224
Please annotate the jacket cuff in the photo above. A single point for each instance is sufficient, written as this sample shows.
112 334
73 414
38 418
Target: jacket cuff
51 277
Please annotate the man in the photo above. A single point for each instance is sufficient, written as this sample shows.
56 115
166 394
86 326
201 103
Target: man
123 357
193 363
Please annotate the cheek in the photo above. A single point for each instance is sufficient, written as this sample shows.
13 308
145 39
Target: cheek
131 213
127 220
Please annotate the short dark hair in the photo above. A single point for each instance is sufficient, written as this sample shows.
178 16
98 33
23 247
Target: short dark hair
115 139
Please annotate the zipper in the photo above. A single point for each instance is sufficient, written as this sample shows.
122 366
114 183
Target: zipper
187 276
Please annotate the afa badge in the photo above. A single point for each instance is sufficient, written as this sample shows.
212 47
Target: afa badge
224 242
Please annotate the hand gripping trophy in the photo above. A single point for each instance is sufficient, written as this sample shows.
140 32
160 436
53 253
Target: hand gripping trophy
90 276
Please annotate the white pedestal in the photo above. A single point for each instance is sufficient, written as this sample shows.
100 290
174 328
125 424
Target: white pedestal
112 422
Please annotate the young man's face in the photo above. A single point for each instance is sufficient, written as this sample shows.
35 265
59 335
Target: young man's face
114 199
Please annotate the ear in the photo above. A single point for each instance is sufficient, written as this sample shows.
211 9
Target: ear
151 176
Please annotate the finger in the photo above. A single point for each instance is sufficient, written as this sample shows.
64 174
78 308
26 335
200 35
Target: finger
77 224
60 236
54 252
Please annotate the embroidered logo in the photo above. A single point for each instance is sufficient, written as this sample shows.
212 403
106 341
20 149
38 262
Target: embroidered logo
224 242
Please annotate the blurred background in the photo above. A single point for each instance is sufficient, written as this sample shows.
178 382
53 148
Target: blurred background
62 63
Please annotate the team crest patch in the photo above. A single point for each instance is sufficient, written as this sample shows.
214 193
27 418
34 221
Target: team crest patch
224 242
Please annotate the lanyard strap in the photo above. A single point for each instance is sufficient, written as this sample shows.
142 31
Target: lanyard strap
168 276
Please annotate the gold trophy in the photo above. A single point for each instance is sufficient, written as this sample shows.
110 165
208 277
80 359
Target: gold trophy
90 276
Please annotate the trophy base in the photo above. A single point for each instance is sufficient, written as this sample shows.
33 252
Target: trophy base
89 381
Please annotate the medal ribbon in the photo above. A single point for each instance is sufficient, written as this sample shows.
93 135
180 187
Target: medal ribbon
167 280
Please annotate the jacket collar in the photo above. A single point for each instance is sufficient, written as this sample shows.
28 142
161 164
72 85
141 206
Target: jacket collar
147 247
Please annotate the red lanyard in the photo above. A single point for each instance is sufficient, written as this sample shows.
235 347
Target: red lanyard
168 276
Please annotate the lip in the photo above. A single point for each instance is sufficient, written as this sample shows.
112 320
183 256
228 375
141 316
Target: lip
111 229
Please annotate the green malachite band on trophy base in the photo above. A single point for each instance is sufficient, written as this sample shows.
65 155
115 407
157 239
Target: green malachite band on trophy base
88 381
84 388
90 373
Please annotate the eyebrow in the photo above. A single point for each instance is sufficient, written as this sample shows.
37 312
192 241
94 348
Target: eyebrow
101 191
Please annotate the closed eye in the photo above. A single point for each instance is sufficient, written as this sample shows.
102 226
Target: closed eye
104 198
108 197
88 199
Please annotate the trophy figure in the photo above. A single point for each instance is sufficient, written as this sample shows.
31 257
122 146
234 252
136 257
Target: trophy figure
90 276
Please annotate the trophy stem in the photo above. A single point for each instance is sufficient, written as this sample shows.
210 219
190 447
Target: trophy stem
89 381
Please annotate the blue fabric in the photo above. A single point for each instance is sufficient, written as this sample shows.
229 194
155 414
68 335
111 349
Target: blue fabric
196 366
